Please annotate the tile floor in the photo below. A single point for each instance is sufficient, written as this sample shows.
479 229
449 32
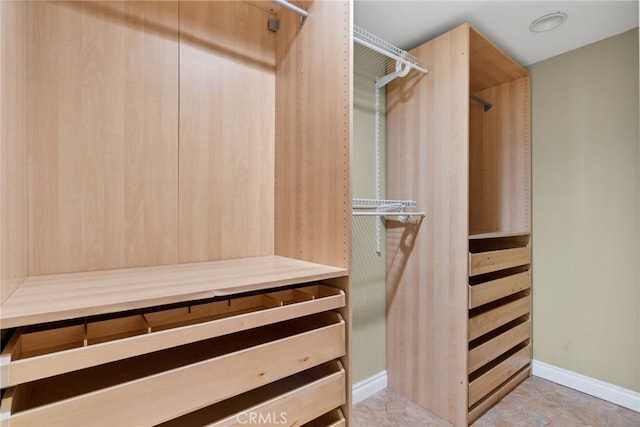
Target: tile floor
535 402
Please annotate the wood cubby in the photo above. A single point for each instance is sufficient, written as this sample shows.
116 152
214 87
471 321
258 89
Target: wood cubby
459 282
172 173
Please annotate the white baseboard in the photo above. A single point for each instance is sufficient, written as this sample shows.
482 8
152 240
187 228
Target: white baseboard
369 386
612 393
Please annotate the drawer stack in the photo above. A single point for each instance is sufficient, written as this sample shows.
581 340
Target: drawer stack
270 357
499 325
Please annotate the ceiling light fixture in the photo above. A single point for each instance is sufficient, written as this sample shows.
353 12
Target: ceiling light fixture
548 22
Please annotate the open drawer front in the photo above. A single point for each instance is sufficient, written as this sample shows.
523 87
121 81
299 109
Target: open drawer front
332 419
487 255
138 391
32 354
294 400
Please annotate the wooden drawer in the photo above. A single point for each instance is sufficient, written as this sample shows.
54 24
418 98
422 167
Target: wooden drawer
294 400
332 419
481 407
498 345
492 319
484 384
116 329
31 354
487 262
493 290
138 391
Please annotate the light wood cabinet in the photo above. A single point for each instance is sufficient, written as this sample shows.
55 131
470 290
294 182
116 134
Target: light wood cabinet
176 220
459 282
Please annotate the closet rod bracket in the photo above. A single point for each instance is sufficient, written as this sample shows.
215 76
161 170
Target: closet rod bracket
486 104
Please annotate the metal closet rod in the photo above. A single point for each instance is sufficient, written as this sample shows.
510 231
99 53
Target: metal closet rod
303 13
422 214
487 105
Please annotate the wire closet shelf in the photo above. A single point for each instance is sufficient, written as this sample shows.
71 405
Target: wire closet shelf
393 208
379 55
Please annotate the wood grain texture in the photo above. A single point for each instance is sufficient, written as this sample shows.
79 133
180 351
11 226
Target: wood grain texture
13 146
497 235
481 407
313 130
227 119
498 316
492 290
441 150
490 66
103 91
490 380
276 398
200 384
64 296
68 349
427 161
500 168
487 262
498 345
267 5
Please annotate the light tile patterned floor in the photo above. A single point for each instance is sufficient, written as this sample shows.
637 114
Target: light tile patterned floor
535 402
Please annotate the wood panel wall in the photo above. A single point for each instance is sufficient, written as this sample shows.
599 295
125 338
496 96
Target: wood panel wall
313 134
427 161
151 145
313 131
152 136
227 128
103 105
13 146
499 163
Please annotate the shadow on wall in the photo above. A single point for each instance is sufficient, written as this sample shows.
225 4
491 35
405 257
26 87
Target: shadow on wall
401 239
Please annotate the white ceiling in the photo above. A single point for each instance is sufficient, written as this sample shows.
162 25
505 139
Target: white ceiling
407 24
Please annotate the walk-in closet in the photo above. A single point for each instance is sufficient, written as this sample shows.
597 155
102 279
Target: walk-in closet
176 221
453 217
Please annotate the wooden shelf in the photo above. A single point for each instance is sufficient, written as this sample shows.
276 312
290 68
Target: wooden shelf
64 296
497 235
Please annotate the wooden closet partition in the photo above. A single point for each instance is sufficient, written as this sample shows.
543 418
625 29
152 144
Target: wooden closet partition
13 154
227 131
313 134
427 161
313 130
458 282
103 140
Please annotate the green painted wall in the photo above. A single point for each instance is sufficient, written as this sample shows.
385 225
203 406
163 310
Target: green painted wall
368 272
586 215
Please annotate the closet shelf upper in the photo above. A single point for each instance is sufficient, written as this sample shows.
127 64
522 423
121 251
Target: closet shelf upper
373 42
56 297
404 61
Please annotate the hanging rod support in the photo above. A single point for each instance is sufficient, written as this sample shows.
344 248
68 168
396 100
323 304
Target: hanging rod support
404 60
487 105
303 13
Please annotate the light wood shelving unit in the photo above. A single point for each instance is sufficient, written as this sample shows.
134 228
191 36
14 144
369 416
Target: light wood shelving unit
458 282
176 213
